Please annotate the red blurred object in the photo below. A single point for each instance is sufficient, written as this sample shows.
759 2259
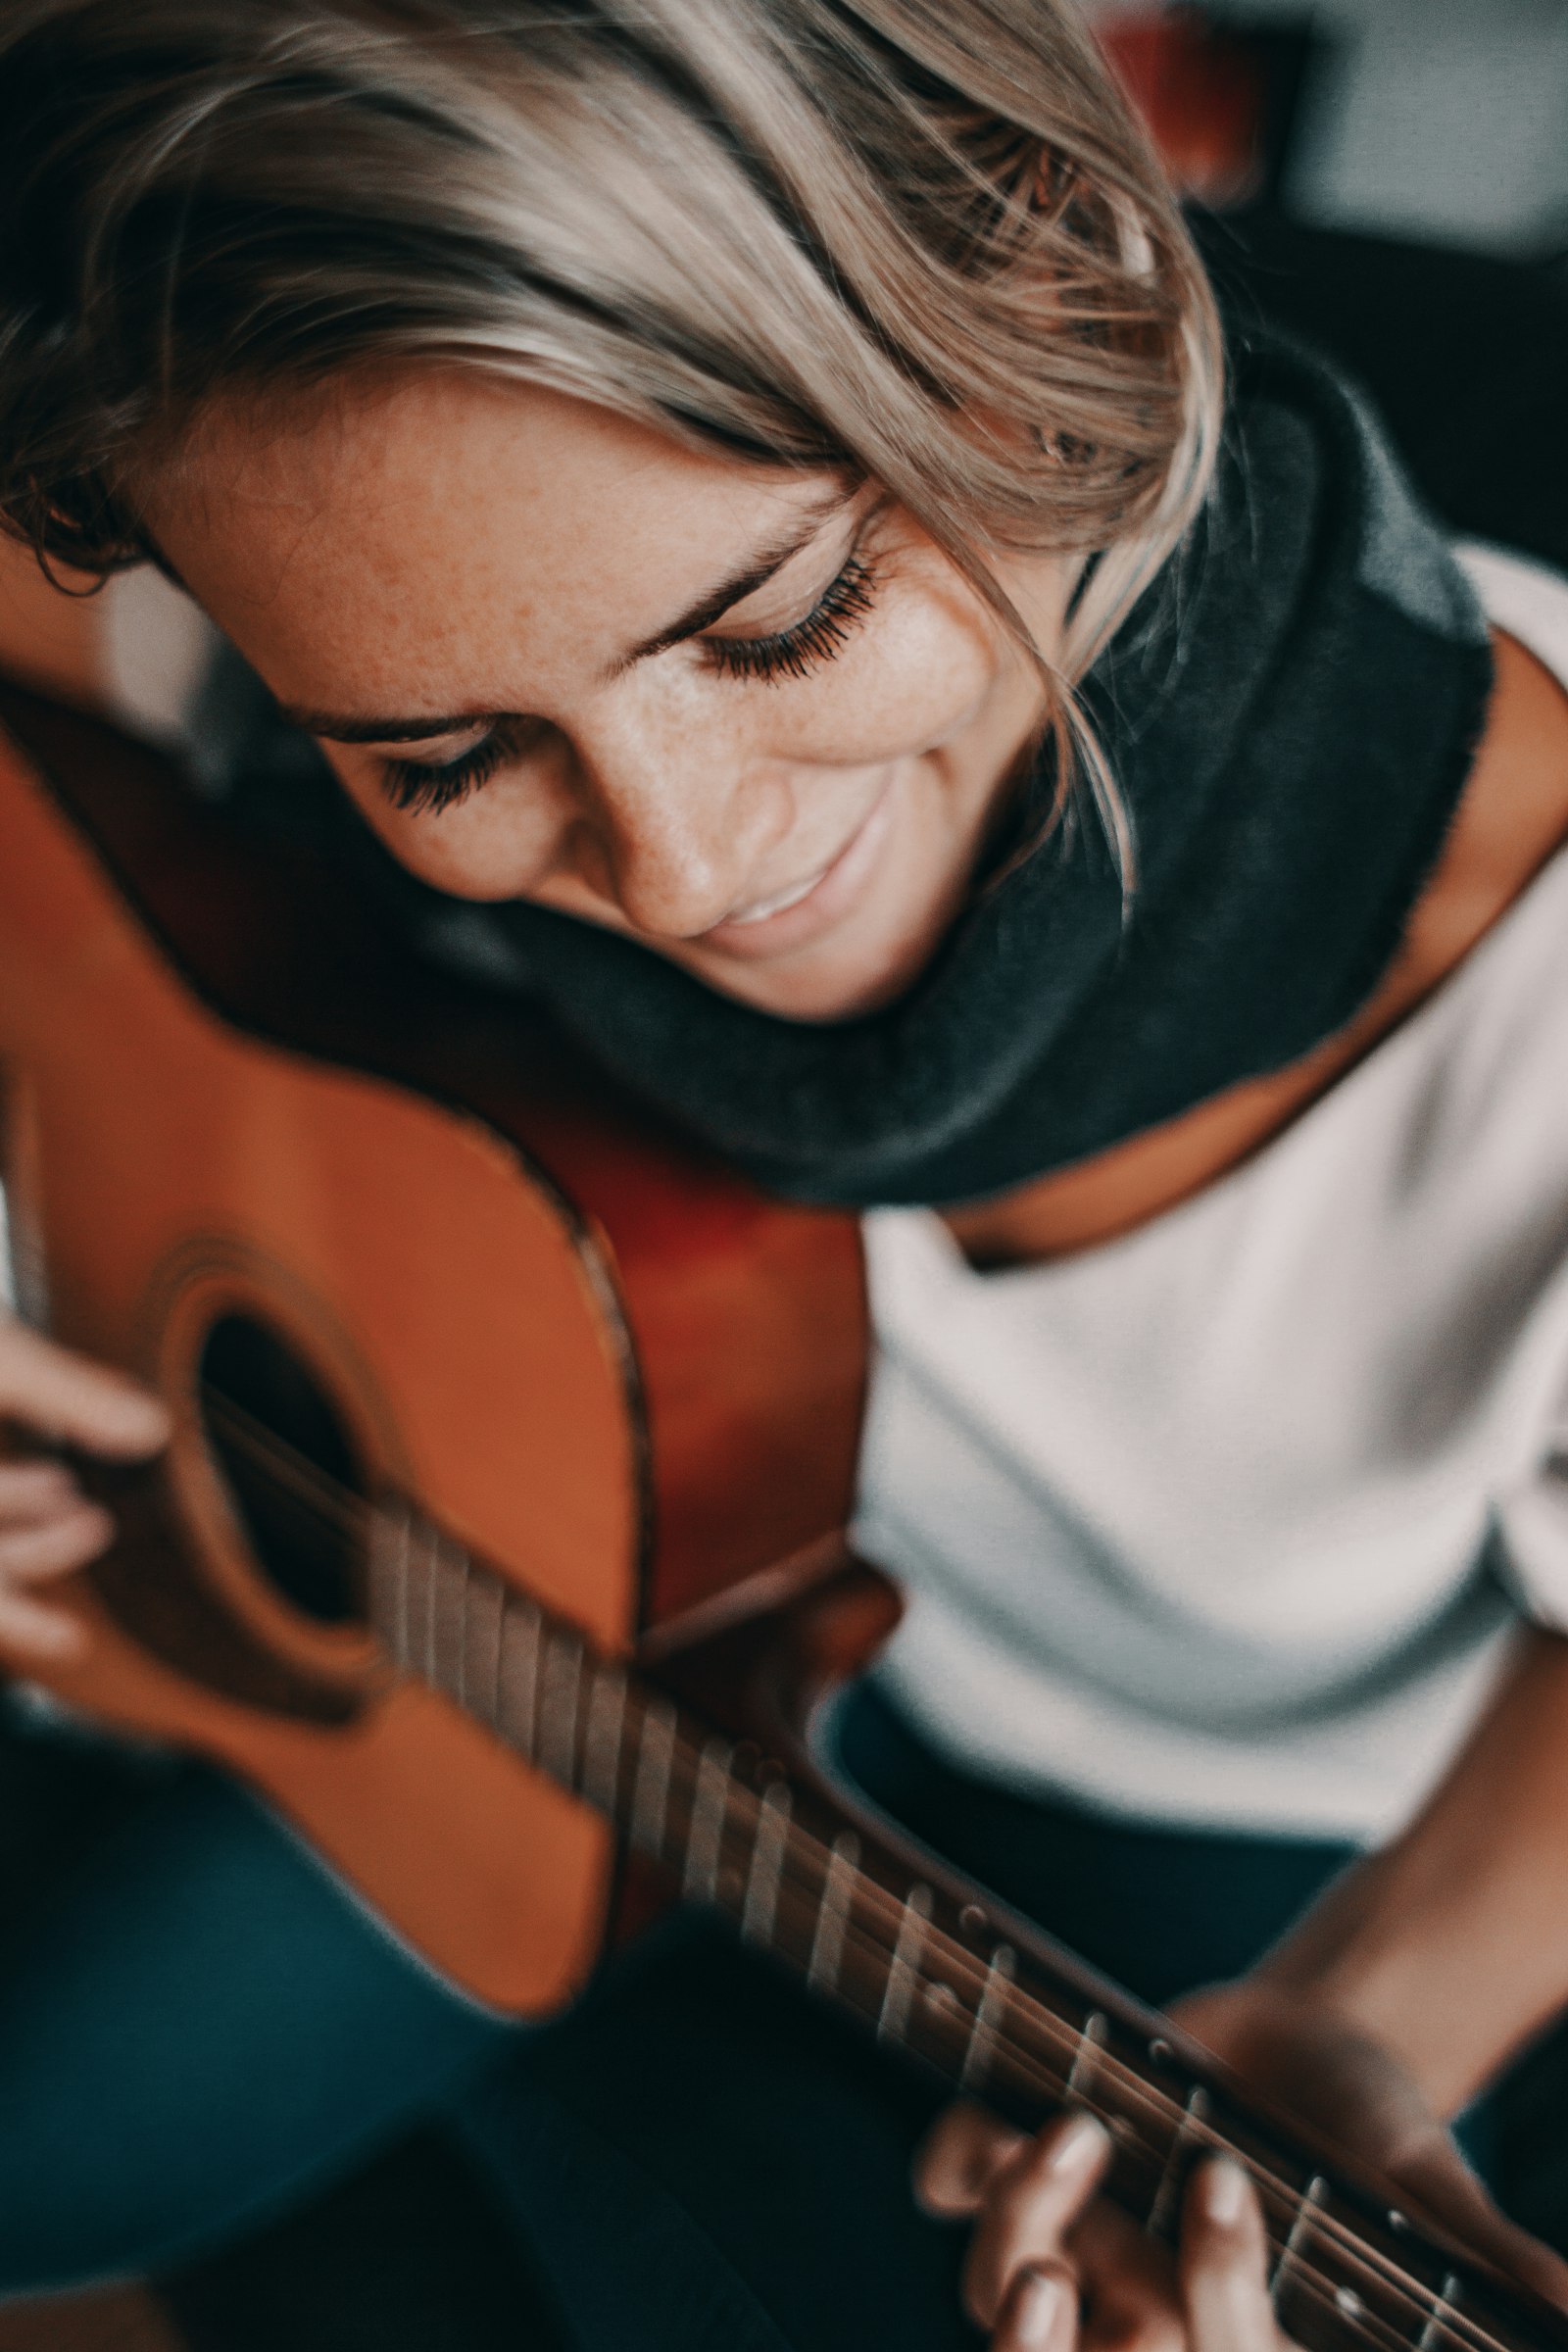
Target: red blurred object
1204 93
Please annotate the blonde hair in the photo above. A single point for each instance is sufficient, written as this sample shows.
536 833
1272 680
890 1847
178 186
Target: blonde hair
924 240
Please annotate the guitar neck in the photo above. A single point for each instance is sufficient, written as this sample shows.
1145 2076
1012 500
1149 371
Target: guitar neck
936 1972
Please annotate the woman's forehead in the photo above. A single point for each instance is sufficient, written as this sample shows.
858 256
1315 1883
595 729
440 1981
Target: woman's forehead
442 520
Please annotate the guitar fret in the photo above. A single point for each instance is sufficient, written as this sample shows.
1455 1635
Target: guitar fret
1163 2207
988 2016
767 1864
538 1684
1311 2199
656 1756
519 1671
398 1626
559 1704
605 1738
402 1620
406 1598
483 1600
1085 2057
1446 2300
448 1577
459 1670
833 1913
393 1536
388 1577
709 1806
432 1552
898 1998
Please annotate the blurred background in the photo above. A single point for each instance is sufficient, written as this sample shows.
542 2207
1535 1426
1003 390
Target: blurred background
1389 178
1440 121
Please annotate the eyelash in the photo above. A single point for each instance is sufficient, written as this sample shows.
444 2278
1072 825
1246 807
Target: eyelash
421 790
819 637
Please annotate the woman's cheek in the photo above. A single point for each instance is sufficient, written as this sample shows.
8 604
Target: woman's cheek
496 844
909 679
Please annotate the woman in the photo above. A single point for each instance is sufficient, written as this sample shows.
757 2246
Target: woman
750 501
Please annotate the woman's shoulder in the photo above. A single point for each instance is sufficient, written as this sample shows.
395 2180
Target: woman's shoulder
1513 815
1510 822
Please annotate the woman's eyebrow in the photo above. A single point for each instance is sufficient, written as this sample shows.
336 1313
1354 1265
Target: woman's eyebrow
334 728
712 605
744 582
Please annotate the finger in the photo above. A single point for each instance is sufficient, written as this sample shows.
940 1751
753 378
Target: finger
56 1546
65 1397
30 1491
1224 2263
1031 2205
1126 2284
963 2152
31 1635
1041 2313
1440 2179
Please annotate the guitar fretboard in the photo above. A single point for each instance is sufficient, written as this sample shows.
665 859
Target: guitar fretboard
945 1981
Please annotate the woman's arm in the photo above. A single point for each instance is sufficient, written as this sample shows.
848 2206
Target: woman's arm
1450 1948
1402 1992
1427 1966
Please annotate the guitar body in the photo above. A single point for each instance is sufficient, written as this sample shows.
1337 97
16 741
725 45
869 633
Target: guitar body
248 1138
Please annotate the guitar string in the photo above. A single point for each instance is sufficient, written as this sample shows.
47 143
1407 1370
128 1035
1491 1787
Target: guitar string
322 1496
802 1895
326 1500
1301 2275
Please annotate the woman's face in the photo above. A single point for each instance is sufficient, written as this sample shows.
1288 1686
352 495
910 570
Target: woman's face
751 716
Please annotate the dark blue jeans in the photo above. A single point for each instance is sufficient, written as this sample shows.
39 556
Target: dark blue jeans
199 2027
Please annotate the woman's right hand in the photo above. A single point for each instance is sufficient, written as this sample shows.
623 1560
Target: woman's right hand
50 1398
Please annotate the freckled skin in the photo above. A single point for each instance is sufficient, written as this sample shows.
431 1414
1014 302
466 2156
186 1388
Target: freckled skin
446 543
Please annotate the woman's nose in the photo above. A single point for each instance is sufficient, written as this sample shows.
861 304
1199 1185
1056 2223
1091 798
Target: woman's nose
678 831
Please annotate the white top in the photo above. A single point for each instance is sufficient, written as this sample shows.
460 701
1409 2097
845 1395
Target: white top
1230 1521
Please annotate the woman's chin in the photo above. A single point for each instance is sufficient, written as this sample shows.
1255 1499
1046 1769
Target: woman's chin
855 965
859 936
836 980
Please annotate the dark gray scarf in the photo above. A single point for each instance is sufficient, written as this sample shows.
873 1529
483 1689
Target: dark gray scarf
1290 716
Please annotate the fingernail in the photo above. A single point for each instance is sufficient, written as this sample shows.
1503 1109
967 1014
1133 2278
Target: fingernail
1224 2192
1081 2143
1038 2307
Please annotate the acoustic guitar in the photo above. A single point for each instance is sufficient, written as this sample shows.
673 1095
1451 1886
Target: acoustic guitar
500 1541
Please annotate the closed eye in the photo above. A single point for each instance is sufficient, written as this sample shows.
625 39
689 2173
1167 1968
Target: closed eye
794 653
425 788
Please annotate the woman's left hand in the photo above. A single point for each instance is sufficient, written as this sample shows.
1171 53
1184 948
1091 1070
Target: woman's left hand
1054 2266
1049 2254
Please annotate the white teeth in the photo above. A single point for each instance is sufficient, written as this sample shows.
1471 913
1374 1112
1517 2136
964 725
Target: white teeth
776 906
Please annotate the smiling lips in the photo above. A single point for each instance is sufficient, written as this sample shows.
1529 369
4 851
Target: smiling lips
791 918
783 898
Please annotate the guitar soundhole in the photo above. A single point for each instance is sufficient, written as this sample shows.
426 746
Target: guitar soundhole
291 1467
